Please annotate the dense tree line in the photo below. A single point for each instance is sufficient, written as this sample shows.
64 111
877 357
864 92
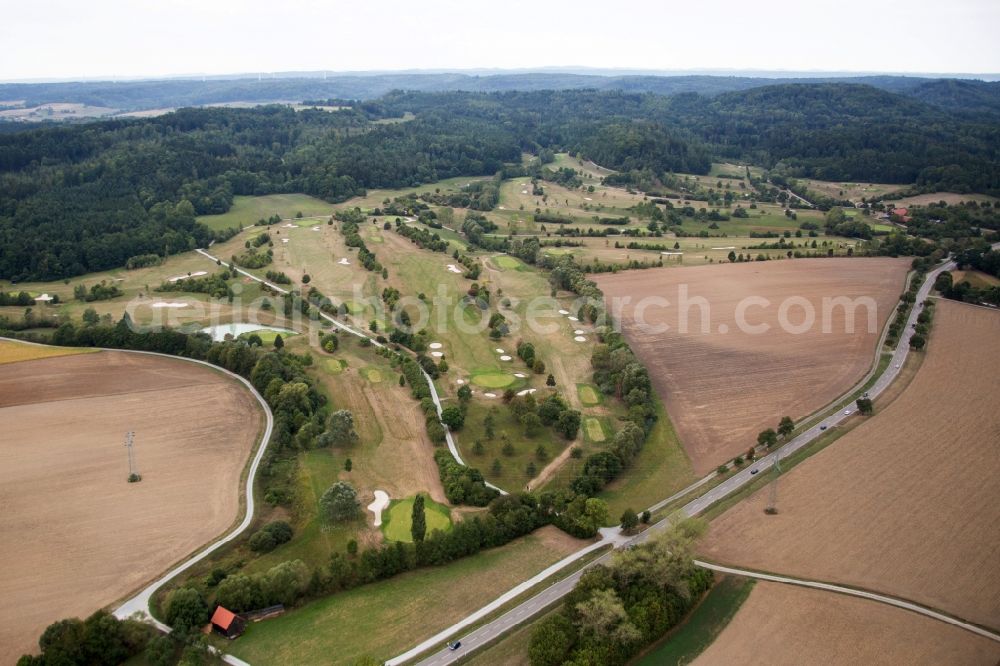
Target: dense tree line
615 610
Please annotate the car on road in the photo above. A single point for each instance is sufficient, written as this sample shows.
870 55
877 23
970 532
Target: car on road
847 412
897 365
454 646
823 427
754 471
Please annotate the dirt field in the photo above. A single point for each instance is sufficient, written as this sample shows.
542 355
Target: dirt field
722 388
76 535
906 503
781 624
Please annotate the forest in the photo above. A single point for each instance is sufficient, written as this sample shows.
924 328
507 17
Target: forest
89 197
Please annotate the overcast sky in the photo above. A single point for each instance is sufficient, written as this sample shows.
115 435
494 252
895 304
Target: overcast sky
67 39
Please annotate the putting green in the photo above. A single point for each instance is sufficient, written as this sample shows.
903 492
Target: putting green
595 432
334 365
374 375
493 380
504 261
396 521
354 307
588 395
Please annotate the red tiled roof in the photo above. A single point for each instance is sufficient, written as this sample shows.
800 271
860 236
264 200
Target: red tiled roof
902 212
223 618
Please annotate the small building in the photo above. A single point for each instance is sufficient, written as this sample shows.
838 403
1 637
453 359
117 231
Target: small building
227 623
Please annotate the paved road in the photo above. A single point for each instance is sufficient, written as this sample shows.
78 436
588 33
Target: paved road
551 595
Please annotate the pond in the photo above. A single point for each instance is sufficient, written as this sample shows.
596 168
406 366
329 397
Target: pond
220 332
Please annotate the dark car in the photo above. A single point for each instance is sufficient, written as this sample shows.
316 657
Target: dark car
823 427
454 646
754 471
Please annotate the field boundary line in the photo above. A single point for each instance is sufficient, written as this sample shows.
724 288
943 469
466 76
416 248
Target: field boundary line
897 602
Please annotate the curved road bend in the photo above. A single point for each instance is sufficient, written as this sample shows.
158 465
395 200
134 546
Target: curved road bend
452 447
551 595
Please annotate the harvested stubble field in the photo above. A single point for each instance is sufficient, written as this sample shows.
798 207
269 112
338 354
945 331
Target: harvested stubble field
721 389
781 624
905 504
76 535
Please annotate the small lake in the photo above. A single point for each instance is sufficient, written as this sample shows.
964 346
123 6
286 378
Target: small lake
220 332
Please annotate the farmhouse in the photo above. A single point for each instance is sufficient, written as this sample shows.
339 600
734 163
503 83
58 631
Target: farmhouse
227 623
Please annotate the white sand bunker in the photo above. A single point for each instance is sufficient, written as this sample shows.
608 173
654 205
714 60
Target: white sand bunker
524 191
435 345
502 207
578 332
344 262
564 312
284 240
520 375
289 226
454 269
380 503
572 318
588 199
526 391
580 338
505 358
316 228
169 304
184 277
459 381
437 354
499 351
728 247
490 395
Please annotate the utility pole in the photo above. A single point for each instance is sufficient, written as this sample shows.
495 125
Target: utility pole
133 474
772 504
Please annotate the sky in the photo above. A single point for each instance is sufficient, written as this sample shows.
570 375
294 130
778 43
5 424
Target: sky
70 39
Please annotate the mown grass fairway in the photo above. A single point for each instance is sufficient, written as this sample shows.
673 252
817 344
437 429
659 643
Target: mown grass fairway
594 430
588 394
503 261
246 211
397 520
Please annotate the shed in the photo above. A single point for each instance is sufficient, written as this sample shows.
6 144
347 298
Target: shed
227 623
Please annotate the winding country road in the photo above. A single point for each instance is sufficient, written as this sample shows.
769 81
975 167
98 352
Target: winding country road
548 597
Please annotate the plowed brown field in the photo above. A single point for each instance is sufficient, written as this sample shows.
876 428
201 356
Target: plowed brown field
722 384
74 535
781 624
906 503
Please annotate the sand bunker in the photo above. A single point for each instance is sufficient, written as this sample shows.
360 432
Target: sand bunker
490 395
520 375
526 391
454 269
169 304
184 277
505 358
437 354
564 312
344 262
580 338
499 351
380 503
435 345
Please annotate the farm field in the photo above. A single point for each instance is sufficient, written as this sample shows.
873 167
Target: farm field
849 191
14 352
93 536
804 626
950 198
383 619
721 389
905 503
